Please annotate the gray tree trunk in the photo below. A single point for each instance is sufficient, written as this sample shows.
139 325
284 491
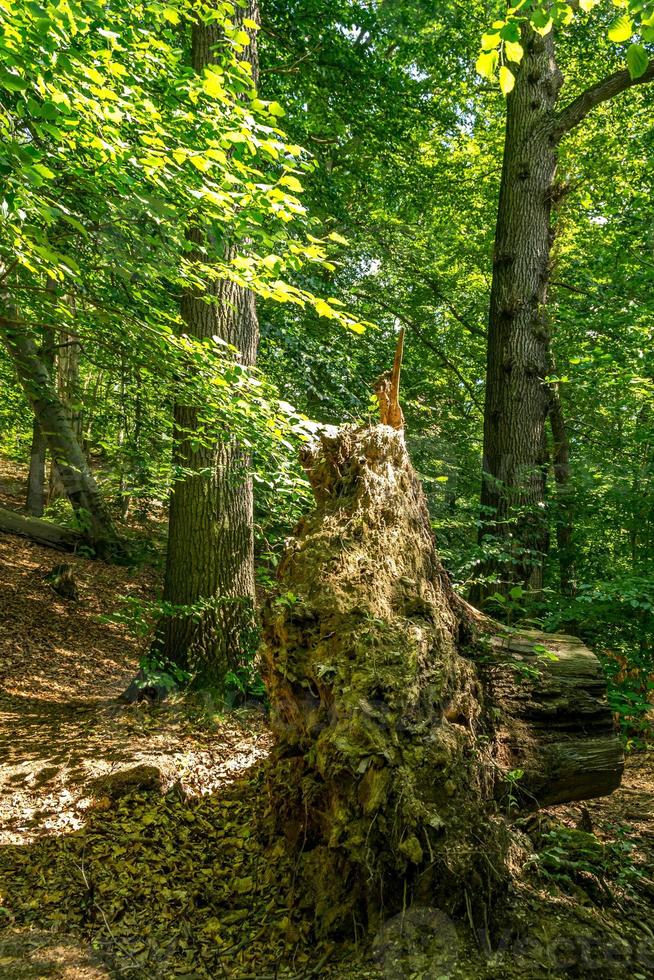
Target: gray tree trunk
67 377
517 398
564 496
210 555
35 500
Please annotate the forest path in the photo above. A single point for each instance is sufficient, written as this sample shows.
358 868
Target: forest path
62 729
61 725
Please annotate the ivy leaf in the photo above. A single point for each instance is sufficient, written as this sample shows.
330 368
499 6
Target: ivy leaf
637 60
621 29
507 80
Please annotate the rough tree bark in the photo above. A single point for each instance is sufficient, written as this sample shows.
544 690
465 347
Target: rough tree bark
517 399
210 540
564 495
35 499
67 375
401 713
52 416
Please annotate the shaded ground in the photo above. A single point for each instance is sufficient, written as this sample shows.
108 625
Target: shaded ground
61 671
183 882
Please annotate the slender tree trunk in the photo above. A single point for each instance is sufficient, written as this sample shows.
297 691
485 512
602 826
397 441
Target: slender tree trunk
564 519
210 556
517 398
67 374
35 502
54 422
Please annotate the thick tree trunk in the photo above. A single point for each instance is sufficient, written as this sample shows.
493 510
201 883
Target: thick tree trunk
517 398
210 560
401 719
52 416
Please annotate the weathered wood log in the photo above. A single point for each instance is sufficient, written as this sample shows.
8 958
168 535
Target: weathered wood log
42 532
554 722
399 720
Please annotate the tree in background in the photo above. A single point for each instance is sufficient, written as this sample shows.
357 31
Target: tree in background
518 398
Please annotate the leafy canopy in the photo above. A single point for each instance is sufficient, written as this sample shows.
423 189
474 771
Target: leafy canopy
502 45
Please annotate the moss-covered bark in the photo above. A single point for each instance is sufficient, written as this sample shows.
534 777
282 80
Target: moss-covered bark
381 725
406 726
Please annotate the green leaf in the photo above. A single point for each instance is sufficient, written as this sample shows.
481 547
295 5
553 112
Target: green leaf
44 171
291 182
324 309
541 22
201 163
621 29
587 5
514 52
562 14
275 109
511 32
487 63
637 60
507 79
212 83
12 82
489 41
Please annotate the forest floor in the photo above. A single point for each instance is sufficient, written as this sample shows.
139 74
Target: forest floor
168 873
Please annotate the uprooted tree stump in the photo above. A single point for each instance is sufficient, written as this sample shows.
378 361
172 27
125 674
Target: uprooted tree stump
401 721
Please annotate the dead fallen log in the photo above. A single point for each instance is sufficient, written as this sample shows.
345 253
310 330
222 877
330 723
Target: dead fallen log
41 532
554 723
400 721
